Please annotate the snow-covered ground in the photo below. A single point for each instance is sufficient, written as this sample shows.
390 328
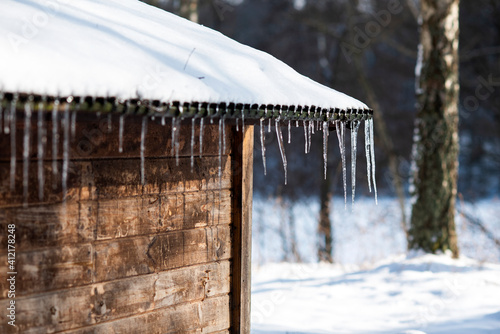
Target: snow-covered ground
374 287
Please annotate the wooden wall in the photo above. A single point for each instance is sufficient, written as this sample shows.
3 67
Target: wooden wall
121 257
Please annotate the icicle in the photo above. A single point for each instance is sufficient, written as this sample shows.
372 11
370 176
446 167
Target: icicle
175 139
220 151
354 152
42 138
55 141
12 120
1 113
237 127
26 150
309 139
143 148
325 147
173 135
73 125
6 125
163 120
289 131
201 136
120 133
296 123
372 155
263 144
66 134
193 120
281 146
340 127
367 153
269 126
223 135
110 123
243 121
305 136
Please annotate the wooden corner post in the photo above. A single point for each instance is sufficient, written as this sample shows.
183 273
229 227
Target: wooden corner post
242 164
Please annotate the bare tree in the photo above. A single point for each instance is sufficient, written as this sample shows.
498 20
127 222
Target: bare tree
435 152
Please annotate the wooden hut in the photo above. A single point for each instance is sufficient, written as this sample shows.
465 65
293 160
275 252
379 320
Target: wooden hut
126 149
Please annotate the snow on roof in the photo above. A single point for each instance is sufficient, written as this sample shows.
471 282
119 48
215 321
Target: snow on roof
128 50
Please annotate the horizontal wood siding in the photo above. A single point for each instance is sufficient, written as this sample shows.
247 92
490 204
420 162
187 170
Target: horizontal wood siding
118 256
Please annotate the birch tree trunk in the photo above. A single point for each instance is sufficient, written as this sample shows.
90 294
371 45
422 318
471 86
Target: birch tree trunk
435 151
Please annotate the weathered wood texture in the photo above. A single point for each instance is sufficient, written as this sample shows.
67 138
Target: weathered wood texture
118 256
242 224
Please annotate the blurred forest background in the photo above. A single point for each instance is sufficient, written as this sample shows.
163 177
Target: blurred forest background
367 49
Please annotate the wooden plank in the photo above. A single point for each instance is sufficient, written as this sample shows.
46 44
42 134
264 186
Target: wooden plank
45 226
242 219
94 139
101 302
162 176
143 255
209 315
115 178
50 269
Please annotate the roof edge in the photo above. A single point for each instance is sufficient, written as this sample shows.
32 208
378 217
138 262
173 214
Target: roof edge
95 104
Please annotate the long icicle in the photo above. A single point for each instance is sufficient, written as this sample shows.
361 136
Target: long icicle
176 143
263 144
73 125
325 147
26 150
201 136
372 155
143 148
55 143
304 125
42 139
354 153
6 119
340 126
1 113
220 153
193 127
66 138
311 132
279 135
289 131
367 153
12 119
120 133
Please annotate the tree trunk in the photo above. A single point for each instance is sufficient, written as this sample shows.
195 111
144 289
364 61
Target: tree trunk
435 152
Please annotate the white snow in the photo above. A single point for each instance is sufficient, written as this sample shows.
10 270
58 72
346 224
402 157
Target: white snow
406 294
128 49
374 287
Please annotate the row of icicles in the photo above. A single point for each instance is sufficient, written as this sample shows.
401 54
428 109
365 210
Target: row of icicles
68 129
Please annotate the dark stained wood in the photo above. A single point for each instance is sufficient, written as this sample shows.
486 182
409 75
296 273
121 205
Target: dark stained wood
143 255
117 178
125 257
95 140
207 316
50 269
242 229
101 302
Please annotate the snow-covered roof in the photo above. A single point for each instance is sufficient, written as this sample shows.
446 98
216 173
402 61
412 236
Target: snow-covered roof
127 50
